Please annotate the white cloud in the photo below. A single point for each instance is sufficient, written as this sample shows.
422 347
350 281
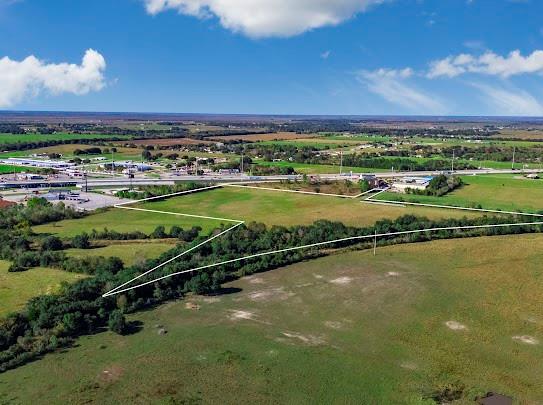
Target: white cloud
488 63
326 54
510 102
391 85
31 76
267 18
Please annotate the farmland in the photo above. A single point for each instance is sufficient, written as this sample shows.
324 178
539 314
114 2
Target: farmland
16 138
496 192
17 288
394 328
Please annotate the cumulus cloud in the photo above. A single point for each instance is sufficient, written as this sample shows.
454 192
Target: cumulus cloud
391 85
488 63
31 76
510 101
267 18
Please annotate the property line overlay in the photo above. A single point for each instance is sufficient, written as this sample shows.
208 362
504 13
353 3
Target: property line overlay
236 222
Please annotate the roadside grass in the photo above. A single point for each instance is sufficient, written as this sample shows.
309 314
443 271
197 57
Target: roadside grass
15 138
122 220
6 169
496 192
17 288
363 328
277 208
130 253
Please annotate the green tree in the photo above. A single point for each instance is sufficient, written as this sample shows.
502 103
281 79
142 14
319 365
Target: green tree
117 322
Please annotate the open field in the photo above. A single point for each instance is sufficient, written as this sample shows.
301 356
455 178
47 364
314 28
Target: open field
123 221
169 142
306 168
386 329
520 134
5 169
67 151
496 192
14 138
129 252
279 136
277 208
17 288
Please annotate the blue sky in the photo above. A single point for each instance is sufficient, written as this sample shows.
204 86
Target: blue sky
450 57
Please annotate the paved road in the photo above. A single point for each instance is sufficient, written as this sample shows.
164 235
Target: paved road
169 180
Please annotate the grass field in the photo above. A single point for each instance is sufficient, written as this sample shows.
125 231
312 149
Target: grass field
122 221
269 207
278 208
349 328
305 168
263 137
130 253
17 288
5 169
503 192
14 138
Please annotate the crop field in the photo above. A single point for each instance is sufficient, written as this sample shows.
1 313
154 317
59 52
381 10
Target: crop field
279 208
170 142
129 252
17 288
67 151
497 192
14 138
390 328
520 134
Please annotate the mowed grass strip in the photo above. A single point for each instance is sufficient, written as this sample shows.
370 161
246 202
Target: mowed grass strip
283 208
122 220
368 329
130 253
496 192
17 288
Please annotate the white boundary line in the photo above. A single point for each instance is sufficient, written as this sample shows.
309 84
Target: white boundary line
119 289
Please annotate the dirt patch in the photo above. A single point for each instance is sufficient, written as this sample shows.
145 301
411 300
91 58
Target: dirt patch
529 340
276 294
453 325
318 276
255 280
333 324
192 305
342 280
211 300
393 274
111 374
310 340
408 365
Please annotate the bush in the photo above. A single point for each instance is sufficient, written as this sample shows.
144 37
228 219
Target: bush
51 243
81 241
117 322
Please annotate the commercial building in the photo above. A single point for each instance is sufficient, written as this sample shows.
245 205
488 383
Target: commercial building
45 164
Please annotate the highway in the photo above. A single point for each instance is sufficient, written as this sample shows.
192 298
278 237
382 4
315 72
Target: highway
171 179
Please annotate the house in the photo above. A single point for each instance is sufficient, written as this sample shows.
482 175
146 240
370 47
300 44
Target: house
412 183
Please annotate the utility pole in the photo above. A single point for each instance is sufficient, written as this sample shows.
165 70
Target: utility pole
112 163
375 243
340 163
513 163
452 163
